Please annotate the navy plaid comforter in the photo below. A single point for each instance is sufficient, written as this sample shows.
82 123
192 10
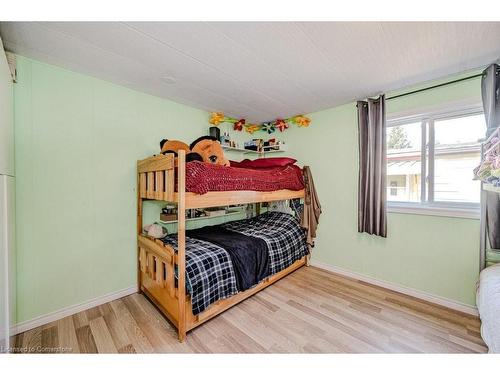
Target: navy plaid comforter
209 271
282 233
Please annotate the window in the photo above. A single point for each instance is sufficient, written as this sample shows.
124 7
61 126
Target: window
404 156
430 159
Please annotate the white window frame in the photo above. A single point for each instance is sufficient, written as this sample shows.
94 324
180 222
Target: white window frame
427 205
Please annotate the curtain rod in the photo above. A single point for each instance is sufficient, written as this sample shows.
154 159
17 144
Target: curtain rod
435 86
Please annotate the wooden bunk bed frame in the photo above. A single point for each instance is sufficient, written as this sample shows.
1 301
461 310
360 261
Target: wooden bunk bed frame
157 261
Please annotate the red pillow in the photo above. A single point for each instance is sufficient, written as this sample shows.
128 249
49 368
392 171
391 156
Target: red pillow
263 163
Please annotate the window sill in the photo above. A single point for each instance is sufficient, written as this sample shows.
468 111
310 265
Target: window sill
460 212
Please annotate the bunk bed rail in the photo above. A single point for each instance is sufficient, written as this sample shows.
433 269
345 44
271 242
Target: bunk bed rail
157 177
158 261
157 264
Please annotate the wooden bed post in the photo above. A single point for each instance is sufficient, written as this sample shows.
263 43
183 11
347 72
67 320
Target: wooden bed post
139 231
181 242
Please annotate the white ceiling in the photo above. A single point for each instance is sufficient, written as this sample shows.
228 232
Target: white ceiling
260 70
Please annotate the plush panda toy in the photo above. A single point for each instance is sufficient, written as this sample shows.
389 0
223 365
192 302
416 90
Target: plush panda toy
206 149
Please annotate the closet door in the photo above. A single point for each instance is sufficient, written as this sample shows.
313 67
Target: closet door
7 261
7 249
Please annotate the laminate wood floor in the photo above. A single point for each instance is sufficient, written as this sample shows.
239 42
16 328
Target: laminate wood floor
311 311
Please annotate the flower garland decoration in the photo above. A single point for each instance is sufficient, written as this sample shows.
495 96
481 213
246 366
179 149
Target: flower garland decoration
238 125
269 127
281 124
216 118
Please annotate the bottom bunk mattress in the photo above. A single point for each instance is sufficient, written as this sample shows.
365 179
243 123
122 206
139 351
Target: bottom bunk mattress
222 260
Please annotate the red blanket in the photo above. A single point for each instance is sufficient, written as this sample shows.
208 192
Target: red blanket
204 177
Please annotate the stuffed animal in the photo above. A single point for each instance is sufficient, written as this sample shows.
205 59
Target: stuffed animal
155 230
173 147
210 150
206 149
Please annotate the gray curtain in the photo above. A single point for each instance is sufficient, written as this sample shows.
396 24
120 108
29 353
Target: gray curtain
372 167
490 90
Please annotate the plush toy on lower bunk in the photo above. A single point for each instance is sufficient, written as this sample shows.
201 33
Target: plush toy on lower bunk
155 230
206 149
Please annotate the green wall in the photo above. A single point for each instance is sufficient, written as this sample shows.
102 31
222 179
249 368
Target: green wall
77 142
438 255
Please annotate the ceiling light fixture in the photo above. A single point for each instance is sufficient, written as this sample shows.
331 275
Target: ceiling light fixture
169 79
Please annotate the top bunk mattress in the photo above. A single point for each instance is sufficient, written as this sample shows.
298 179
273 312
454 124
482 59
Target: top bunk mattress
204 177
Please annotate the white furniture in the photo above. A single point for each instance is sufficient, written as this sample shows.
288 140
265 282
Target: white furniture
488 305
7 256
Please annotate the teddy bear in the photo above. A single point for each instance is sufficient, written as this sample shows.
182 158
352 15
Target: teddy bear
173 146
210 150
206 149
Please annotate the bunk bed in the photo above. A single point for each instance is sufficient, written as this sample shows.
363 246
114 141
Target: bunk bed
162 270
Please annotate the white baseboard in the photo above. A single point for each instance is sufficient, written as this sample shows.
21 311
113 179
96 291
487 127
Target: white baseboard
455 305
70 310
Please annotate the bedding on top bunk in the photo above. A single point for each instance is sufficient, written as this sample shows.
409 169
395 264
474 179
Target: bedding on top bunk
204 177
224 259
